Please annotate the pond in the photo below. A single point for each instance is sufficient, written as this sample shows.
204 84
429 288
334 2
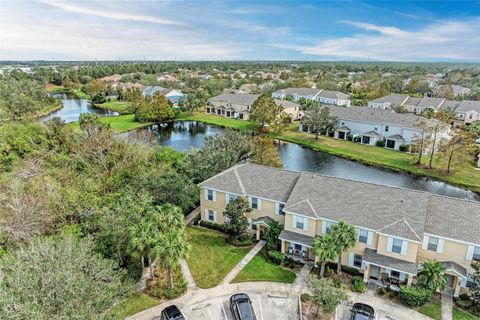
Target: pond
183 135
73 107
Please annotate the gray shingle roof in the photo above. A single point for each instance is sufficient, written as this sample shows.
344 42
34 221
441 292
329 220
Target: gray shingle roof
394 211
298 91
286 103
394 99
264 219
333 95
245 99
425 102
373 115
344 128
255 180
469 105
395 137
296 237
371 134
455 267
375 258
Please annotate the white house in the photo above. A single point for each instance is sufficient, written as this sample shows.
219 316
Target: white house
372 125
174 95
322 96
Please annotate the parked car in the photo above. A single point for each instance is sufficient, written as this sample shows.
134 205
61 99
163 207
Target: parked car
361 311
241 307
172 313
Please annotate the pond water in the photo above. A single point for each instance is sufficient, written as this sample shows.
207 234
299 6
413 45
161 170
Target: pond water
73 107
183 135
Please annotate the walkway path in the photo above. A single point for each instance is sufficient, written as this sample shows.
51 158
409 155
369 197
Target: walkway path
192 215
447 304
302 277
188 275
232 274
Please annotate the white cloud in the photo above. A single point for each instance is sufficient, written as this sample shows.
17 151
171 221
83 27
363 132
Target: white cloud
109 14
439 41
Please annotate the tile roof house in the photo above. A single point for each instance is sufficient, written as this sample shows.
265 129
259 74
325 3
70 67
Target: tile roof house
397 228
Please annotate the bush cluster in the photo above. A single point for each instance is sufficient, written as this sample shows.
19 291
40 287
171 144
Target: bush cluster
211 225
466 303
358 285
276 257
403 147
238 242
380 143
414 296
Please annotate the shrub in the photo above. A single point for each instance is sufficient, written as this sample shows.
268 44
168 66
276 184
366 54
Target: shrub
351 271
463 304
276 257
403 147
381 291
357 139
350 137
239 243
380 143
212 225
337 283
414 296
304 297
358 285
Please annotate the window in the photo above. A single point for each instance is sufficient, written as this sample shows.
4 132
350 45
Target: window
230 197
394 274
476 254
363 236
432 244
211 215
280 207
329 226
254 203
386 128
208 110
298 247
397 245
299 223
210 194
357 260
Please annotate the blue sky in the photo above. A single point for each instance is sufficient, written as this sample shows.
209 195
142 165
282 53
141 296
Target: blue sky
240 30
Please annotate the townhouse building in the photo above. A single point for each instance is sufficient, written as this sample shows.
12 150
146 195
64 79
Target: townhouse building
238 105
373 125
322 96
173 95
466 111
397 228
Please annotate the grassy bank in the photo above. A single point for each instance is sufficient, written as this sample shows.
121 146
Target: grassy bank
463 175
121 107
121 123
77 92
262 269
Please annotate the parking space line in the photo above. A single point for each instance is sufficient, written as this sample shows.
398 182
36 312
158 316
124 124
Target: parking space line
260 303
224 312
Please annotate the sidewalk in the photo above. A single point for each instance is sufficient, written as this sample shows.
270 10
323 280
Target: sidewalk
235 271
188 275
447 304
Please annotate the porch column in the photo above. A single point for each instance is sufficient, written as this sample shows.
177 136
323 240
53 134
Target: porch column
282 249
366 273
258 232
409 280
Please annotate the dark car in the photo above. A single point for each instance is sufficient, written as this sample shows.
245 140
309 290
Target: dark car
241 307
172 313
361 311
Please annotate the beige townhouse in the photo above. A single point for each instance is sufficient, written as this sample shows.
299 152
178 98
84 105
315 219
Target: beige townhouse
397 228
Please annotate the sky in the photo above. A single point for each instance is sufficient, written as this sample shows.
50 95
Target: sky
240 30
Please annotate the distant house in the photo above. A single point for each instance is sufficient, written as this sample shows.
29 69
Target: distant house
238 106
173 95
166 78
322 96
373 125
467 111
457 90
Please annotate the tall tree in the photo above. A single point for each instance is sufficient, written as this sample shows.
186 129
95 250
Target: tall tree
271 234
172 247
325 250
325 294
319 119
264 110
236 221
475 287
265 152
460 147
59 278
441 121
345 237
432 275
141 241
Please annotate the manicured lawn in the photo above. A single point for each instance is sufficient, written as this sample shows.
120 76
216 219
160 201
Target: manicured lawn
432 309
261 269
121 107
210 258
133 304
459 314
463 175
122 123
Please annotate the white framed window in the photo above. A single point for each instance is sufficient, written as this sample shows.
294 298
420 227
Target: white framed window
476 254
397 245
395 274
432 244
230 197
300 223
210 195
357 260
386 128
211 215
255 203
363 236
279 209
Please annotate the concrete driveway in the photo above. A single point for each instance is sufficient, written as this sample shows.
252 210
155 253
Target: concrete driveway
266 306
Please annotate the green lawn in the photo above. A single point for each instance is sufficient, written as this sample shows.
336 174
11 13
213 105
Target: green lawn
210 258
133 304
463 175
459 314
261 269
432 309
121 107
121 123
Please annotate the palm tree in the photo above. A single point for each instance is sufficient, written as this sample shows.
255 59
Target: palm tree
169 216
432 275
325 250
345 237
271 234
171 248
141 240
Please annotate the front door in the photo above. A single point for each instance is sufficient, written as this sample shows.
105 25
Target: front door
391 144
450 281
341 135
365 139
374 272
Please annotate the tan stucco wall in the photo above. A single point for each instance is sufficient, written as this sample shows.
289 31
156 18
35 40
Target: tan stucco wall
411 254
312 226
452 251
